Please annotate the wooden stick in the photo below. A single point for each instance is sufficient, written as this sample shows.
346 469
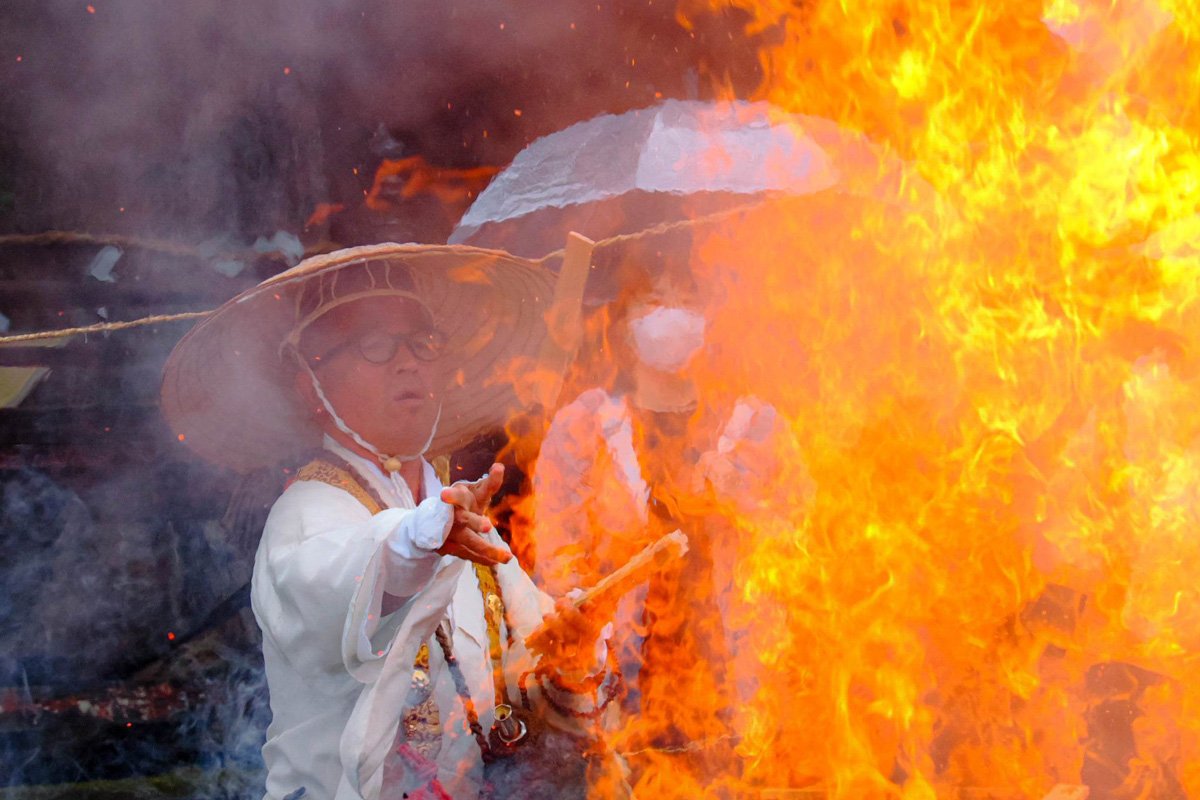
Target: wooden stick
614 586
654 557
565 317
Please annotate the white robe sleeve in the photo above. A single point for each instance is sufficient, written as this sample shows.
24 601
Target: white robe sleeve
325 564
329 561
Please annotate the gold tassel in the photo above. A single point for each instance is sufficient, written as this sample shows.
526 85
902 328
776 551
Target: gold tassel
441 465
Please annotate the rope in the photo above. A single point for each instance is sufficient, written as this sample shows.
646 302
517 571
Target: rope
359 440
100 327
54 237
464 691
658 230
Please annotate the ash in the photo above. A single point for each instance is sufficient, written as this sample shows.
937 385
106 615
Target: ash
552 767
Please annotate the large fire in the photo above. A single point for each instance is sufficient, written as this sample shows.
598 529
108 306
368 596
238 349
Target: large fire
971 569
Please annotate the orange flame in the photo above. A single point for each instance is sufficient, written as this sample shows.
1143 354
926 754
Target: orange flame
964 565
408 177
322 213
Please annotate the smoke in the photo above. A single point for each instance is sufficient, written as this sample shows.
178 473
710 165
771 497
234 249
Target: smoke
36 518
222 116
221 124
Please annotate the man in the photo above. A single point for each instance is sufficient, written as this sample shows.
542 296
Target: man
393 616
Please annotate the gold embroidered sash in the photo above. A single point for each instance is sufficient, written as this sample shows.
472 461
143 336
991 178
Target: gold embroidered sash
422 723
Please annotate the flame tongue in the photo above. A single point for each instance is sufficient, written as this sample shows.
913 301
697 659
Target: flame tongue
994 392
957 557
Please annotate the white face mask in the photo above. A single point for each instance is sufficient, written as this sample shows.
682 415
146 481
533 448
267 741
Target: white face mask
666 339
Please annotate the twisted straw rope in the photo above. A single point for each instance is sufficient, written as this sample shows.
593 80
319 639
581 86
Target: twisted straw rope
60 237
100 327
657 230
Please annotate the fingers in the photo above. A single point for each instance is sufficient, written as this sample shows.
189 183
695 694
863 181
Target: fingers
465 539
475 495
464 543
459 495
486 550
468 554
495 478
472 521
487 486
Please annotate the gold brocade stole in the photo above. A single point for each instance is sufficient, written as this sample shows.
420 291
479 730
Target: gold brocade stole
422 724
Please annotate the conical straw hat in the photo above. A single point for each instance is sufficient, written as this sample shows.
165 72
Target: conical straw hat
227 389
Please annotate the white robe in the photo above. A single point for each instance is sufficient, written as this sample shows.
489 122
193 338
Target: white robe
338 675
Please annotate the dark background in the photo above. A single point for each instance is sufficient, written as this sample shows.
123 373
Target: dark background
210 125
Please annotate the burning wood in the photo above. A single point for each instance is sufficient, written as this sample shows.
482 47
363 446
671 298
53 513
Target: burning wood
602 597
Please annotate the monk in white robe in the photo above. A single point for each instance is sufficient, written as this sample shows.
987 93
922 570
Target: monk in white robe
393 615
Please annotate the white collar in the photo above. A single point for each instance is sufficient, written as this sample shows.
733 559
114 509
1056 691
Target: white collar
391 487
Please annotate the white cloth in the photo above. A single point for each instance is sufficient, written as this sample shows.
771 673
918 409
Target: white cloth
667 338
587 479
747 449
338 674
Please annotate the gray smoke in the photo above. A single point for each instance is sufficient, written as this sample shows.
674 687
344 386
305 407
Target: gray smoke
221 124
223 116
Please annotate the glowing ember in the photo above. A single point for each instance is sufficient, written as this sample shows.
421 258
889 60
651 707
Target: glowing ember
396 180
142 703
322 213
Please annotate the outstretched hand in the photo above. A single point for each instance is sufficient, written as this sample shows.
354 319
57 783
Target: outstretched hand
466 538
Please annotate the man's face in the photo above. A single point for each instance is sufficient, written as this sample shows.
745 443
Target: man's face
374 360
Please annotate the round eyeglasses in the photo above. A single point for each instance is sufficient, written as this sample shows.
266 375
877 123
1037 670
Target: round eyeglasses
379 348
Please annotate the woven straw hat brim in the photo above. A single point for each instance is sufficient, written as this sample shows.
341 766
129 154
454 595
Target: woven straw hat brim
227 392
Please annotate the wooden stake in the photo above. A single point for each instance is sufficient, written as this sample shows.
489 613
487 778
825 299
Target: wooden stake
564 319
